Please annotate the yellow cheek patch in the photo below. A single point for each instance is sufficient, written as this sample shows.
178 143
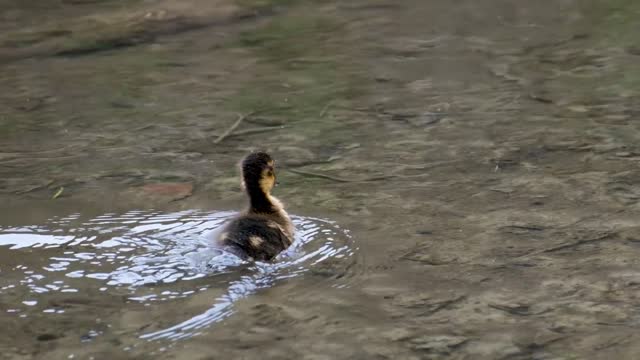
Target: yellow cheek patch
266 183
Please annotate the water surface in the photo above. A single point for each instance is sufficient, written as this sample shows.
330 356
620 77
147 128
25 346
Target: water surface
482 155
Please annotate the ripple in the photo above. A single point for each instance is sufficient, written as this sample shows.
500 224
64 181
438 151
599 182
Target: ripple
157 258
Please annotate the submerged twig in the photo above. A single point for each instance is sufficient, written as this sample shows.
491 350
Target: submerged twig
337 179
58 193
34 188
324 109
233 127
180 198
519 310
257 130
442 305
569 245
540 98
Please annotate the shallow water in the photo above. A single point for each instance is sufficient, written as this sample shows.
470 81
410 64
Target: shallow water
464 177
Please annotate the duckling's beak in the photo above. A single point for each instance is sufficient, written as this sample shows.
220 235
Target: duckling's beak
276 183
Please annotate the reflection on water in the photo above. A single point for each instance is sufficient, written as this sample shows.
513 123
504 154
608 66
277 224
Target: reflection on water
146 252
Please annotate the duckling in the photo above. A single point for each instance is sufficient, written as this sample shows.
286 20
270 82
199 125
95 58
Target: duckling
265 229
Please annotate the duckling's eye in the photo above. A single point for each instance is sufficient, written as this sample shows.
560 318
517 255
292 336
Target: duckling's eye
270 173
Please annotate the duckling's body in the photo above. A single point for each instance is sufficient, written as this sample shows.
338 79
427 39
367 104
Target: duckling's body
265 229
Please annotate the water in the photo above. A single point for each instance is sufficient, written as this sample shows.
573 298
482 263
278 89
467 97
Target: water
480 158
153 257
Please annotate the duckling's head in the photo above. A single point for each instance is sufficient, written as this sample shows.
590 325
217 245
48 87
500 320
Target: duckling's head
258 173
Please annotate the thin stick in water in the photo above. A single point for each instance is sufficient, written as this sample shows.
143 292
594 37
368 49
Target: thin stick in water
232 128
336 179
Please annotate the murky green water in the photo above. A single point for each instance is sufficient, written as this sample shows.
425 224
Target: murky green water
463 178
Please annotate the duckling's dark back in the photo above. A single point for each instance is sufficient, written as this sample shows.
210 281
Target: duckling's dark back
255 236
